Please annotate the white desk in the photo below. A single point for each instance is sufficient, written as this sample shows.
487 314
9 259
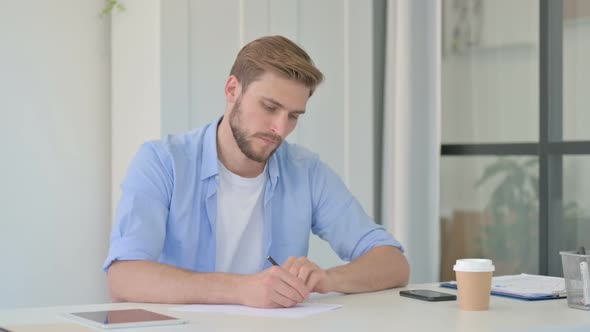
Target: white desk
379 311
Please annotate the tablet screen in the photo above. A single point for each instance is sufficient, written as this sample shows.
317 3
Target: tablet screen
128 316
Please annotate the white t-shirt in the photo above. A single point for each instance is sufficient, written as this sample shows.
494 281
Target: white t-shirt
239 226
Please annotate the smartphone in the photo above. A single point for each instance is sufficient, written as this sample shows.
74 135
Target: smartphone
428 295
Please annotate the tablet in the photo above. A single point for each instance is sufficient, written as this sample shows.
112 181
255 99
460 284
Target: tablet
112 319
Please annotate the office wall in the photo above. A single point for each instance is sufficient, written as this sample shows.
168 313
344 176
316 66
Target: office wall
135 85
55 160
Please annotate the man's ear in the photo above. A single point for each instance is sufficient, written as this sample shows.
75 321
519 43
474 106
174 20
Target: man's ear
233 89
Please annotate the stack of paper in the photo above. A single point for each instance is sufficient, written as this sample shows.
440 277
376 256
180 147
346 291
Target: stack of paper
525 286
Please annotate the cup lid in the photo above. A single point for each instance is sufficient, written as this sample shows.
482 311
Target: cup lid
474 265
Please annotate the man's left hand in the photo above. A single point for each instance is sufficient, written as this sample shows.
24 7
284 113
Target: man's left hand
315 278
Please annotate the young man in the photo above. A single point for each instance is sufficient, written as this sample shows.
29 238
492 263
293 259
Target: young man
201 211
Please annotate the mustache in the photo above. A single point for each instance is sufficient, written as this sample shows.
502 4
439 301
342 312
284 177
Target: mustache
269 136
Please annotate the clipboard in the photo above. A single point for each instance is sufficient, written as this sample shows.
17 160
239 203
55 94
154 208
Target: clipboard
527 287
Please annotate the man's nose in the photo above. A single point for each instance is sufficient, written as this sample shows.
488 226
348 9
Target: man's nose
280 124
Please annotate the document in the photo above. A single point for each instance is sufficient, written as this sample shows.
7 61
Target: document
525 286
298 311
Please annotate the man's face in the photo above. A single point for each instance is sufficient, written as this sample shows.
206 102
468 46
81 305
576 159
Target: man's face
265 114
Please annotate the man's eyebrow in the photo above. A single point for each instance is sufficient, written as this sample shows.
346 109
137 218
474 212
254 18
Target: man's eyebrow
276 103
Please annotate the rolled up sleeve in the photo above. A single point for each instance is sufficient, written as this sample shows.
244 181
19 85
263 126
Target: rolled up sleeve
140 224
339 218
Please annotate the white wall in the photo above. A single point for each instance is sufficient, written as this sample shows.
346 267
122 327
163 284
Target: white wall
135 85
55 143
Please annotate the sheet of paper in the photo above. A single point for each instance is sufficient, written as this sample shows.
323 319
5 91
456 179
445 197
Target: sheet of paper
528 284
300 310
50 328
525 286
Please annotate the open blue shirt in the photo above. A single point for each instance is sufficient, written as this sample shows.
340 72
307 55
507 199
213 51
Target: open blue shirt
168 207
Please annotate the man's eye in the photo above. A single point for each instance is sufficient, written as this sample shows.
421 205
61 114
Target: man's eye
270 108
294 116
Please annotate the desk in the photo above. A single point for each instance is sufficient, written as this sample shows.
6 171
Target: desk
379 311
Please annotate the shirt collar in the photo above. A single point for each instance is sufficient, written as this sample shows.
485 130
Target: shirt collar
209 164
211 168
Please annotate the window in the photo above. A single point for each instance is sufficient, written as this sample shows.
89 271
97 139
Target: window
515 128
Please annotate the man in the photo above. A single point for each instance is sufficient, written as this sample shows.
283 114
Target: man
201 211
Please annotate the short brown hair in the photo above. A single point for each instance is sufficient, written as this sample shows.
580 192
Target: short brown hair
279 55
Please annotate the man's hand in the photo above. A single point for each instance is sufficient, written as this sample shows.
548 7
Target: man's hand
273 288
315 278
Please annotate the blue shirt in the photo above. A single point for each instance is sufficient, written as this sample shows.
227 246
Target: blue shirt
168 207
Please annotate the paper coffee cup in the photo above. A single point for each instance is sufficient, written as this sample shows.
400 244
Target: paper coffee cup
474 283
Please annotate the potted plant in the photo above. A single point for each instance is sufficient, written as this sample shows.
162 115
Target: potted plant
510 237
111 5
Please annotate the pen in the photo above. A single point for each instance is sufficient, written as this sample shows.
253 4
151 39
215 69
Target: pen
272 261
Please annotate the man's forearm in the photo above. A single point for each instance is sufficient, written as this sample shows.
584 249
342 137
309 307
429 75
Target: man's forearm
145 281
380 268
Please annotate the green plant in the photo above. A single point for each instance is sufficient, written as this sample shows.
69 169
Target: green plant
511 235
111 5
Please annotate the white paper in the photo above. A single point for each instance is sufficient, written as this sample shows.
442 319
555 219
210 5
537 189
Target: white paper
528 285
298 311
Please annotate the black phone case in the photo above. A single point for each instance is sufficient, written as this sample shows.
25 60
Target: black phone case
445 297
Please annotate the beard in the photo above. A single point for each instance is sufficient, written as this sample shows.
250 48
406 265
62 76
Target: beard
241 137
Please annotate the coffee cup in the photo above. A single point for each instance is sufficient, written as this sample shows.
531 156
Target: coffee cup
474 283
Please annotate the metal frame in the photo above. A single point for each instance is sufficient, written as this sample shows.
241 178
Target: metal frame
551 115
518 149
550 149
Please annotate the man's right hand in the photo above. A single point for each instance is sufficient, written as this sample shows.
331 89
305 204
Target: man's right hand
272 288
